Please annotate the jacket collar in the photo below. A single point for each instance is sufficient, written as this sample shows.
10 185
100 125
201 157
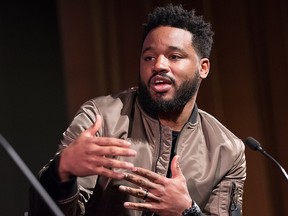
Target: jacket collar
193 116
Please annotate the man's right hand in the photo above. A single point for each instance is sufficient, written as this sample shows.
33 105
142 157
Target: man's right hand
91 155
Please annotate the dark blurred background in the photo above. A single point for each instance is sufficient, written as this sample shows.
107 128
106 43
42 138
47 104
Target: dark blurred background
55 55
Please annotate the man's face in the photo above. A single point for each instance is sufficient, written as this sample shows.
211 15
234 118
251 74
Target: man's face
169 69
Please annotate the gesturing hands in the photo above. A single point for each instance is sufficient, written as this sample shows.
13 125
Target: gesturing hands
91 155
164 196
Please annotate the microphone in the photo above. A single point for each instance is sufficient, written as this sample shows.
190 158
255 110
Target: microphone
255 145
29 175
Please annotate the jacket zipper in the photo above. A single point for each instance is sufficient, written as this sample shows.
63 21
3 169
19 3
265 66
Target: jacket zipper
234 209
154 163
157 148
178 138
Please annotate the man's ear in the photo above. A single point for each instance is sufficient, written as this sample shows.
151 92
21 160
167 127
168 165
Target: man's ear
204 67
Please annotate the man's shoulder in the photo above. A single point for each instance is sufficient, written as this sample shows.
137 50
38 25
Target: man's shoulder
205 116
122 96
215 128
112 102
209 120
127 94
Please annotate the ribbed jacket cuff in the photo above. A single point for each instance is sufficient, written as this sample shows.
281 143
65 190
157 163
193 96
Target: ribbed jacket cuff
51 182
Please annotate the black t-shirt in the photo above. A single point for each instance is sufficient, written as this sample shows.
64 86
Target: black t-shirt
174 139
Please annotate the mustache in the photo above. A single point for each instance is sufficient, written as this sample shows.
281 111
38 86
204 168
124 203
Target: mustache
163 75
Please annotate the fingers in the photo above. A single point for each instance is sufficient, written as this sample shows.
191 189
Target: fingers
160 192
175 167
140 193
113 151
101 161
109 173
110 141
112 146
149 179
91 131
147 174
140 181
138 206
92 155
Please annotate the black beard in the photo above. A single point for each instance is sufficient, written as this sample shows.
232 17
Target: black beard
160 106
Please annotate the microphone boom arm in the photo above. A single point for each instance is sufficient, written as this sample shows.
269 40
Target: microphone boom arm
255 145
32 179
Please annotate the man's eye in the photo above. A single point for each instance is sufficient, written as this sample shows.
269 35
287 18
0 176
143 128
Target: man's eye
175 57
149 58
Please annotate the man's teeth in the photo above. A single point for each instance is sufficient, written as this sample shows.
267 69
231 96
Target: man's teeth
159 82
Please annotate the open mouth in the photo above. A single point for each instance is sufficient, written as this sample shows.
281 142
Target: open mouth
160 84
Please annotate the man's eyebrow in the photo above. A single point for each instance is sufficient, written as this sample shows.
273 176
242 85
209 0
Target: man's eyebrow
173 48
170 48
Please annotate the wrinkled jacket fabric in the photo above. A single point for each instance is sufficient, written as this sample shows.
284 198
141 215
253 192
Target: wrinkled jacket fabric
212 159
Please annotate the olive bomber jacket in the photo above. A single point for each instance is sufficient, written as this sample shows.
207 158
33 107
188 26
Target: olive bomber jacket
212 160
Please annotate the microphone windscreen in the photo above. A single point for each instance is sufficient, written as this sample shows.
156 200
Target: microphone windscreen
252 143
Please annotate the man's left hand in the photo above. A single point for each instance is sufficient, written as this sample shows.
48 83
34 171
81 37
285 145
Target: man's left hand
163 196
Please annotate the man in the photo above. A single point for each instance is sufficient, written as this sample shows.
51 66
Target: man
155 152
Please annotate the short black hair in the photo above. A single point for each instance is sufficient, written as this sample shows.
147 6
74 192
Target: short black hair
176 16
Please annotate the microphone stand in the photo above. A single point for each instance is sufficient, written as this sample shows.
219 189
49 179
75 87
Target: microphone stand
29 175
276 162
255 145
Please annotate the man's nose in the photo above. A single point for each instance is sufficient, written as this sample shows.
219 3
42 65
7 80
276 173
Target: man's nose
161 64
